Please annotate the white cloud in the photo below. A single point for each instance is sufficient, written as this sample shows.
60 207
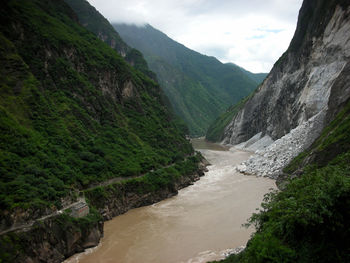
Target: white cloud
252 34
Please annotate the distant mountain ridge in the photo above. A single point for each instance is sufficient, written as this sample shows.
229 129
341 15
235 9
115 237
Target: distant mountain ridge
257 77
199 87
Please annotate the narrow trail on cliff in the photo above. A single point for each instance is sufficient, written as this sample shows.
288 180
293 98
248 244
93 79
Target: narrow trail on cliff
197 225
31 223
23 227
124 178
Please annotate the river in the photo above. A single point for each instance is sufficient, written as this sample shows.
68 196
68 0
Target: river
197 225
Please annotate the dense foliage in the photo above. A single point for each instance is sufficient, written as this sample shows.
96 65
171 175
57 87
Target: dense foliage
72 111
91 19
164 178
199 87
309 221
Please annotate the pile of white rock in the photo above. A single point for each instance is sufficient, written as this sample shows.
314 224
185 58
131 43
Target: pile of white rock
269 160
231 251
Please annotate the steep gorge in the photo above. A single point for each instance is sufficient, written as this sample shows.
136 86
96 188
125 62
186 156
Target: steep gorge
74 114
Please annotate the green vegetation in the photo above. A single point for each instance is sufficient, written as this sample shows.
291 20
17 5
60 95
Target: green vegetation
199 87
72 111
215 131
14 245
66 222
92 20
258 78
309 221
334 140
152 182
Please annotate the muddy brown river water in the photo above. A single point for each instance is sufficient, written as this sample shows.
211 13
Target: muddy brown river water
197 225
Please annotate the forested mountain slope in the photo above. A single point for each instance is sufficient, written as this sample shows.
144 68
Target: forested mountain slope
199 87
91 19
257 77
73 114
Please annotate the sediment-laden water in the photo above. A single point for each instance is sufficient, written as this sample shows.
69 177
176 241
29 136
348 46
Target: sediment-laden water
197 225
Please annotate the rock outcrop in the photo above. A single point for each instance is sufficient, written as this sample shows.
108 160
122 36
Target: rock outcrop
51 240
311 77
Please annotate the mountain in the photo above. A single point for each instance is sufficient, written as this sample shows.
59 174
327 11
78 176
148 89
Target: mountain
77 122
92 20
215 131
199 87
298 122
301 94
257 77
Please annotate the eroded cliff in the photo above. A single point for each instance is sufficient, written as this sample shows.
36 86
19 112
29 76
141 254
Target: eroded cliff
305 89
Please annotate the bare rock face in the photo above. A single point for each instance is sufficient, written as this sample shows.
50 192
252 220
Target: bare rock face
47 241
93 238
128 90
312 76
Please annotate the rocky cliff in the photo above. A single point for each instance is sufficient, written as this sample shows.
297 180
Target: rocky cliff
303 92
52 240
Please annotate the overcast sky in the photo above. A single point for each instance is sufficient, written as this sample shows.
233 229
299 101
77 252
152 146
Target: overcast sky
250 33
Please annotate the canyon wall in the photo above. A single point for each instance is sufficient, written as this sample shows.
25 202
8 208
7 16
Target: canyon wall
303 92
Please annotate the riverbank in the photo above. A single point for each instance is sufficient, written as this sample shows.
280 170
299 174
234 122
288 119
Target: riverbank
116 199
199 224
60 236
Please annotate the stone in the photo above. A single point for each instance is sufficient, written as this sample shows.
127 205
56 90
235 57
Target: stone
306 87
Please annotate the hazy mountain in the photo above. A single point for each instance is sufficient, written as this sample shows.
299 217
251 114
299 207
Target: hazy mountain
92 20
199 87
257 77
